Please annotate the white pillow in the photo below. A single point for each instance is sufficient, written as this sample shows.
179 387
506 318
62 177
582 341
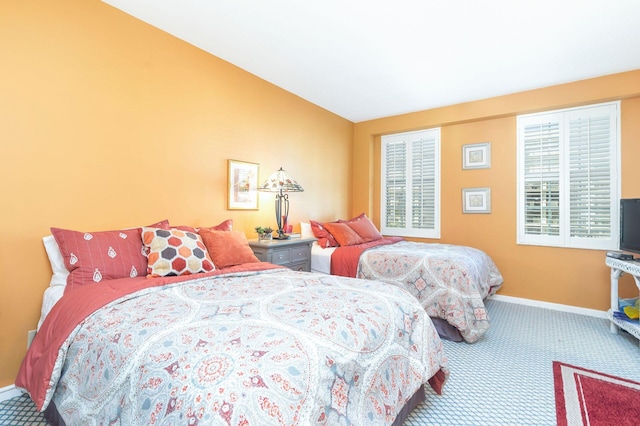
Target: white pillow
60 272
305 230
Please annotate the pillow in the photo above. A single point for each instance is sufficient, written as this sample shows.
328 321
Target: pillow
325 239
227 225
306 231
227 248
344 235
174 252
60 272
96 256
164 224
364 228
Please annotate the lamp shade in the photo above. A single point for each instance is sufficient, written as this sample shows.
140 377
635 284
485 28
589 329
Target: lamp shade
280 181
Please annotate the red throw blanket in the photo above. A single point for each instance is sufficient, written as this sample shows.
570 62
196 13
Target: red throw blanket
39 362
344 260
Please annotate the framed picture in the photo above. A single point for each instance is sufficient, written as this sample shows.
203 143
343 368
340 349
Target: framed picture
476 156
476 200
243 186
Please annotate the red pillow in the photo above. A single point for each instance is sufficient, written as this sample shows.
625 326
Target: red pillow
163 224
344 235
364 228
227 225
97 256
325 239
227 248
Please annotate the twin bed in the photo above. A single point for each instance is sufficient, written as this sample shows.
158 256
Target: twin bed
451 282
186 335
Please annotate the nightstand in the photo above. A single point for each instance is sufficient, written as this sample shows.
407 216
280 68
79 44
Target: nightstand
294 253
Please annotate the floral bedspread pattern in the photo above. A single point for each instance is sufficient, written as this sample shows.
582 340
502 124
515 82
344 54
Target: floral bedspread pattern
450 281
280 347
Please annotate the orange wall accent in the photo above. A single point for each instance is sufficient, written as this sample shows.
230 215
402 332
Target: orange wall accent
566 276
108 122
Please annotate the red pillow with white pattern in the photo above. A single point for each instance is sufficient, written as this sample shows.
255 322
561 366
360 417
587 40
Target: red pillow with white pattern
325 239
92 257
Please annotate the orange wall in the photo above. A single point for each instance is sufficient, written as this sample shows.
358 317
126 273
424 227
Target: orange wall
566 276
107 122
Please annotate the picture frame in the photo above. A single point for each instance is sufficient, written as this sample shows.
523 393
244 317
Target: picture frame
476 156
476 200
243 185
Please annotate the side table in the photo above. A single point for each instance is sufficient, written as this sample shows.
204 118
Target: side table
294 253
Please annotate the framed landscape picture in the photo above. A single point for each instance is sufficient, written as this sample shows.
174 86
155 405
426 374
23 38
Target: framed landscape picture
243 186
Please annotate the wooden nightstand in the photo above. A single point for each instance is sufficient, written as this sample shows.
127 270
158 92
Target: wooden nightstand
294 253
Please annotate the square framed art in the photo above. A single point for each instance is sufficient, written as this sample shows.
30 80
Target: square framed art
476 156
243 186
476 200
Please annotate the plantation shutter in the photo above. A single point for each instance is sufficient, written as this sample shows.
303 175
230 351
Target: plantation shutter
568 177
542 178
590 184
396 184
411 184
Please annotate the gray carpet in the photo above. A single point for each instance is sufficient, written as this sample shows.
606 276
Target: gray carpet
504 379
507 379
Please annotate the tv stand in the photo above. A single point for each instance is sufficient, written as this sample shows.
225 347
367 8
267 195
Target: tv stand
618 268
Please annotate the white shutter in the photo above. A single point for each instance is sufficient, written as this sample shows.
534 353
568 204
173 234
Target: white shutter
411 184
542 177
568 177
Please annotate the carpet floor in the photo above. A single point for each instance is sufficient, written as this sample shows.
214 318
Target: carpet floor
505 379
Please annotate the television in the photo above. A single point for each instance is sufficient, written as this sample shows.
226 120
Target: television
630 224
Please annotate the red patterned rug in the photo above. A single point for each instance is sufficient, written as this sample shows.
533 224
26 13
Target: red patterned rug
586 397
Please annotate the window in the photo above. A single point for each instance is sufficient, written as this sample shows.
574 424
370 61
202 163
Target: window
410 200
568 177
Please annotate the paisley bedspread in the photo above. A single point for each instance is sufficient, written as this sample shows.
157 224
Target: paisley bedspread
450 281
269 347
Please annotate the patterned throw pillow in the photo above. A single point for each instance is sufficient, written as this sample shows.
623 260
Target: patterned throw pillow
96 256
175 252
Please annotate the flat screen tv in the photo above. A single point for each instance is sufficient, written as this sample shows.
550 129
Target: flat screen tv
630 224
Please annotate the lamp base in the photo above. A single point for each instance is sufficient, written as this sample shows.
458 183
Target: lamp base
282 237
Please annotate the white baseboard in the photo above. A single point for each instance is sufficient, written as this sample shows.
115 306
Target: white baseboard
9 392
548 305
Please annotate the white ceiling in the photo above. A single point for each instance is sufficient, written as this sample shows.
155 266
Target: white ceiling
366 59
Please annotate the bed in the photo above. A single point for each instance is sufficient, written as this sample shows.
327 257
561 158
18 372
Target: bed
243 343
450 281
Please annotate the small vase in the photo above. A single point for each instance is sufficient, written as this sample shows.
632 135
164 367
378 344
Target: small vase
265 237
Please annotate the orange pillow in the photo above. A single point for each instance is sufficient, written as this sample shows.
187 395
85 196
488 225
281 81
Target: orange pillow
344 235
365 228
227 248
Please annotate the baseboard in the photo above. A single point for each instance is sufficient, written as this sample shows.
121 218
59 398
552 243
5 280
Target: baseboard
548 305
9 392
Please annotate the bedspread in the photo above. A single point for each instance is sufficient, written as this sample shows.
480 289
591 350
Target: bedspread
257 347
450 281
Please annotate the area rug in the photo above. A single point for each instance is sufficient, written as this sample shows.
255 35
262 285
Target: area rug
587 397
